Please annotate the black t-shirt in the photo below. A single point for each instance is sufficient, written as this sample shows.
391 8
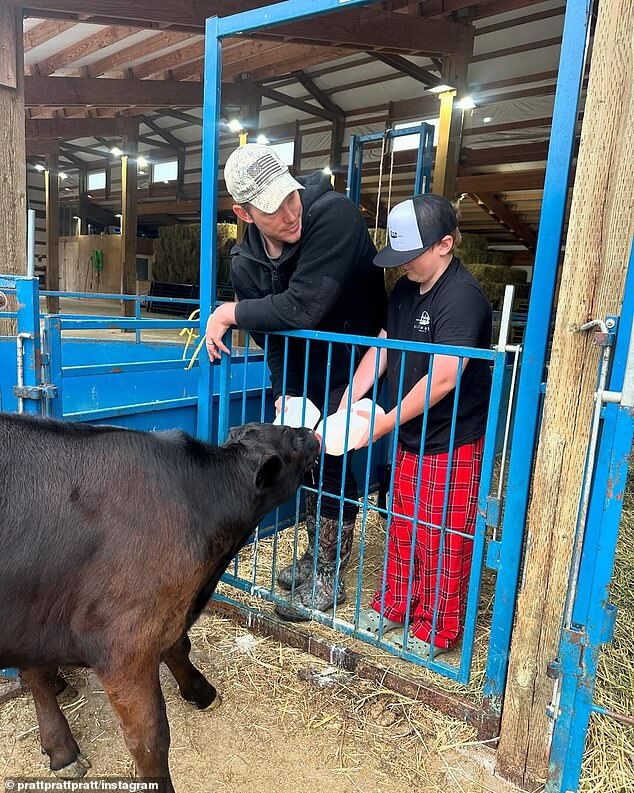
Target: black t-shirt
455 311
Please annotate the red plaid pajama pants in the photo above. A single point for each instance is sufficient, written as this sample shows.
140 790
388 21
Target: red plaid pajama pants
455 562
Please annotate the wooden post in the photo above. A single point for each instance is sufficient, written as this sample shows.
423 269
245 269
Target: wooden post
441 164
336 146
130 146
454 73
12 149
297 149
51 192
600 231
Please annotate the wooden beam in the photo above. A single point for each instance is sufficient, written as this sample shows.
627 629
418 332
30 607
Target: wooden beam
509 219
285 60
178 114
498 155
501 182
182 207
179 57
523 20
140 50
102 92
453 73
320 96
81 49
167 136
592 283
12 153
336 149
144 12
128 221
405 66
372 28
70 128
518 49
399 32
298 104
51 193
491 129
45 31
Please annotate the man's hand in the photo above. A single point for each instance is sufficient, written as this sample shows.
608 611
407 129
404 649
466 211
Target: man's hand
278 406
383 424
223 318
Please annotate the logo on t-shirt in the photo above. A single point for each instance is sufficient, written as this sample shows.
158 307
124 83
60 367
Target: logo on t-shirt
422 323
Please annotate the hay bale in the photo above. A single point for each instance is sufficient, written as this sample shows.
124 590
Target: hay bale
473 248
177 253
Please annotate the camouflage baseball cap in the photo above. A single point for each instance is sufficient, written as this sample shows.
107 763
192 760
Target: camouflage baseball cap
254 174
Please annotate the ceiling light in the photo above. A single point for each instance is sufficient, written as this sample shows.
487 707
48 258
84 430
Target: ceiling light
116 151
262 140
141 162
487 119
440 89
63 175
327 171
142 173
466 103
39 167
235 125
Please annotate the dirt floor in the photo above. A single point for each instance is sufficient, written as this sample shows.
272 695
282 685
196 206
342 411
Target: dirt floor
288 722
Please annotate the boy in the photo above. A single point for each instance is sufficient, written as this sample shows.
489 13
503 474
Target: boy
437 301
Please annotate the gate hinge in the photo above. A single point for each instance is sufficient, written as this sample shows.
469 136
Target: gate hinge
46 391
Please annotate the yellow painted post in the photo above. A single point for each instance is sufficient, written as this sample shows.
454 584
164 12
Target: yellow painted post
442 149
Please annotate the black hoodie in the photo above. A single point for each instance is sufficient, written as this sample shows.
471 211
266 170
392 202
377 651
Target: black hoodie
327 281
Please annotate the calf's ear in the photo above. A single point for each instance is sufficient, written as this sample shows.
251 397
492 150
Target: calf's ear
268 471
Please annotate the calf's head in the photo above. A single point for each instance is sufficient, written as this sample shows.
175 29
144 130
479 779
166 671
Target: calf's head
277 457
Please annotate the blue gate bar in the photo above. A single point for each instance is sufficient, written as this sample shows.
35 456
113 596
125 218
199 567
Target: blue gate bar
28 343
208 214
560 151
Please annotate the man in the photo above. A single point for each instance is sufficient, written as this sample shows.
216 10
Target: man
306 262
437 301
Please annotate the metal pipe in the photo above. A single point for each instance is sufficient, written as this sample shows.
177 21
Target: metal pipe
19 342
30 244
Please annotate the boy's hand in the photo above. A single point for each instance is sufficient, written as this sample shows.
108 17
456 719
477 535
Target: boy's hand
383 424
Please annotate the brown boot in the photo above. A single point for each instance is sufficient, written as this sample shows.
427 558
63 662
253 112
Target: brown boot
324 582
302 569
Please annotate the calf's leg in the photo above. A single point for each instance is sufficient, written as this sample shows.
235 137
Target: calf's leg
134 691
56 738
192 684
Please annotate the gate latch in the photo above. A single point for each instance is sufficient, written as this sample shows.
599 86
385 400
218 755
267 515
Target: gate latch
45 391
